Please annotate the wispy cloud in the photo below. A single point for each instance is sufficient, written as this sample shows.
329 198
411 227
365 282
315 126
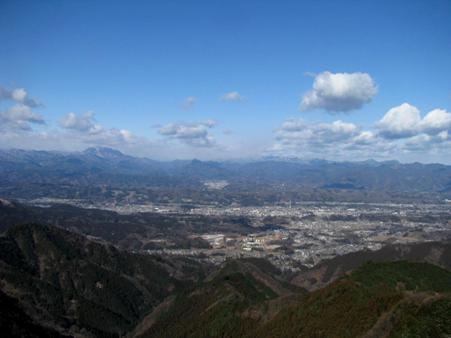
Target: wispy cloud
189 102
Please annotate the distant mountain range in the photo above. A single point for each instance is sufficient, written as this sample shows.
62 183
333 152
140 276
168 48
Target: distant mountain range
55 283
42 170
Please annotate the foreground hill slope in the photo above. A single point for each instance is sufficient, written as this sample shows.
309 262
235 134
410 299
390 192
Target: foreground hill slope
57 283
232 302
78 286
391 299
14 322
376 300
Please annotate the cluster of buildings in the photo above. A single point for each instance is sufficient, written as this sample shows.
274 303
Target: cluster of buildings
331 231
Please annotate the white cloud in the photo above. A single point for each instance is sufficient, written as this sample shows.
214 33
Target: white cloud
405 121
435 121
18 95
300 131
443 135
110 137
401 121
339 92
193 134
365 137
401 134
90 132
300 137
81 123
337 140
418 142
232 96
18 113
19 117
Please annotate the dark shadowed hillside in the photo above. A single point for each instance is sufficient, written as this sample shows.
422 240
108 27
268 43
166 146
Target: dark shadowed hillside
79 286
14 322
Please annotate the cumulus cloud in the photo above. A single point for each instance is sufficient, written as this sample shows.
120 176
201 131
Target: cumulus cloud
298 136
232 96
300 131
20 114
193 134
335 140
402 133
365 137
18 95
19 117
405 121
339 92
437 120
83 123
89 131
111 137
401 121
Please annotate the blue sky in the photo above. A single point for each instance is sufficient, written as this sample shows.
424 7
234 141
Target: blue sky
150 77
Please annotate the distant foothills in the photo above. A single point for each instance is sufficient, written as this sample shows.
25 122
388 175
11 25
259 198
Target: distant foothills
31 174
109 152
